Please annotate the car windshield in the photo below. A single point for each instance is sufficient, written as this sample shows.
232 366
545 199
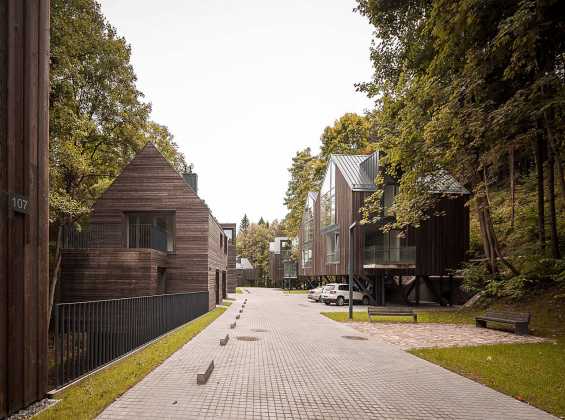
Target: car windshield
330 287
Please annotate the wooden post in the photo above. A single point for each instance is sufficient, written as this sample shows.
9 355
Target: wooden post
24 228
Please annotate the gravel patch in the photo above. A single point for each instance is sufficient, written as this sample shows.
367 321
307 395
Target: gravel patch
414 336
33 409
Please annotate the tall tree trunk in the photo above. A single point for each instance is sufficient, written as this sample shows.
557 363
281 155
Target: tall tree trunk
557 157
555 252
487 243
540 187
57 269
512 186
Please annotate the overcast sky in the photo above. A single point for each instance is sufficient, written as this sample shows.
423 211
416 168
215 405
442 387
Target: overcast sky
244 84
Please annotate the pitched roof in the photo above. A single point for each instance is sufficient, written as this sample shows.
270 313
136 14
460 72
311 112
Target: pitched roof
244 264
358 180
350 168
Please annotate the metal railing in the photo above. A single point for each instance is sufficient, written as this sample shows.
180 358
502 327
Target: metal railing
91 237
147 236
290 270
382 255
89 335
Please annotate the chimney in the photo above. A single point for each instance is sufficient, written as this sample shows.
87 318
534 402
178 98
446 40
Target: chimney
192 180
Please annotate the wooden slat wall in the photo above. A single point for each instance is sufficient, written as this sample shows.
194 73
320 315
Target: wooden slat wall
108 273
217 259
24 84
232 255
276 270
442 241
149 183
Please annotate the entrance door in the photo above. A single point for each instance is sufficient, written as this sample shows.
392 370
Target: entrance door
217 287
224 285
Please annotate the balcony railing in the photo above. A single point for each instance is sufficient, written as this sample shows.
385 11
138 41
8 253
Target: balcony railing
104 236
290 270
147 236
377 255
93 236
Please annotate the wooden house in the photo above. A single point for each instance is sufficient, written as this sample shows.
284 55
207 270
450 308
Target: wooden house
282 267
24 210
245 272
230 230
387 265
149 233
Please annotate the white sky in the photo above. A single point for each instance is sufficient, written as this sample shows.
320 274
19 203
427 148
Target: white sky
245 84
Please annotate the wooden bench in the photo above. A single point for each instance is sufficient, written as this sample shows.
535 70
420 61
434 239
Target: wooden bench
520 321
384 311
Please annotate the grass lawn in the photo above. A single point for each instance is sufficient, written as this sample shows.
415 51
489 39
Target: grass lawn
296 292
227 302
530 372
441 317
239 290
88 398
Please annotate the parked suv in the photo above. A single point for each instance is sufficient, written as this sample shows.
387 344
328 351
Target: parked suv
338 293
316 294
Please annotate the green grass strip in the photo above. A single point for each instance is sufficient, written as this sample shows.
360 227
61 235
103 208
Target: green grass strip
88 398
431 317
296 292
528 372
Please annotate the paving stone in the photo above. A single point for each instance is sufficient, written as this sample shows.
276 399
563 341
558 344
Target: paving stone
303 368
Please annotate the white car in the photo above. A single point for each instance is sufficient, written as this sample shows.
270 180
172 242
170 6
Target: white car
316 294
338 293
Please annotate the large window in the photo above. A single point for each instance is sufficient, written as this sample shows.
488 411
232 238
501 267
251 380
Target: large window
151 230
392 247
327 195
332 247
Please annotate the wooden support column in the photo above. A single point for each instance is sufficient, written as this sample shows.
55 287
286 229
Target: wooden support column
24 258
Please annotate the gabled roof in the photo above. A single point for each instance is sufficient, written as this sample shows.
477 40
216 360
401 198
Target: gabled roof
355 176
244 264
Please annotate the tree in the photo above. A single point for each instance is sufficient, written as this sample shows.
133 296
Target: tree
253 244
98 119
349 135
244 224
305 174
455 86
261 221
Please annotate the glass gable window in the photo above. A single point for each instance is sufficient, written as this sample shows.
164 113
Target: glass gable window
327 195
332 247
229 234
151 230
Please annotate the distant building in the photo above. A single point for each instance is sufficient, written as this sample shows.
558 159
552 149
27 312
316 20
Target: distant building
282 267
245 272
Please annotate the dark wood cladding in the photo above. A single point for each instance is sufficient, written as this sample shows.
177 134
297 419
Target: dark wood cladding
232 256
150 184
124 273
442 241
276 270
24 267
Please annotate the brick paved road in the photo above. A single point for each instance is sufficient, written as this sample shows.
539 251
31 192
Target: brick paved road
302 367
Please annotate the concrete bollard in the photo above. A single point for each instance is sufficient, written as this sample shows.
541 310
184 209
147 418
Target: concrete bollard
232 325
224 341
202 378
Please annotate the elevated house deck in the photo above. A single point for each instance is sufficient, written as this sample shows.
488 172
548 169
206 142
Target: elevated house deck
149 233
391 266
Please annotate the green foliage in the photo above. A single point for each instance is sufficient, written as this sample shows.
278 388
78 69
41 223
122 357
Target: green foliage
98 119
349 134
244 224
253 244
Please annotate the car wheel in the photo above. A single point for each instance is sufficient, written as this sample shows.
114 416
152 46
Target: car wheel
326 302
340 301
365 300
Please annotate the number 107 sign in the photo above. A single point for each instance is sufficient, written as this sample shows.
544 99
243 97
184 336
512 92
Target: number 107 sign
19 203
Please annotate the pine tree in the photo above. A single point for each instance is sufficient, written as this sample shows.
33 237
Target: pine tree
244 223
261 221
